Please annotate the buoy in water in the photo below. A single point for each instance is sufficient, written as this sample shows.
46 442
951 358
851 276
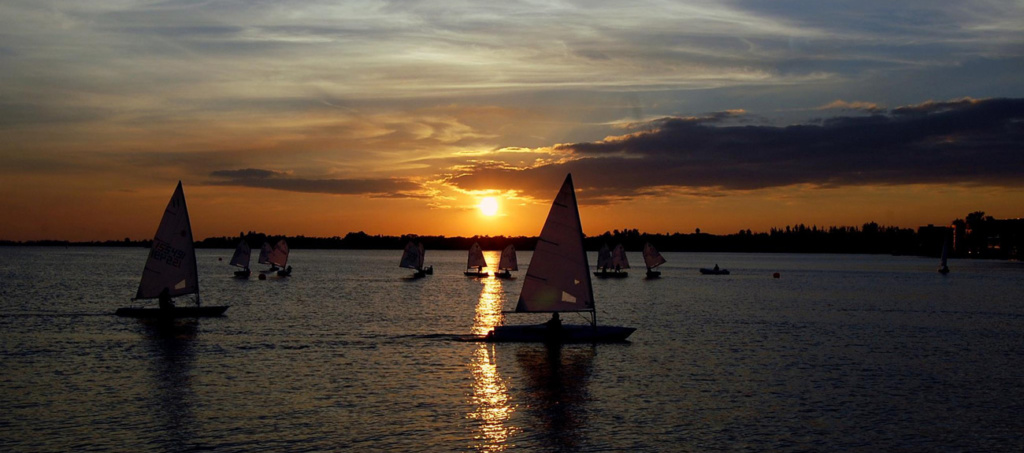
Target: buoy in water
263 276
776 275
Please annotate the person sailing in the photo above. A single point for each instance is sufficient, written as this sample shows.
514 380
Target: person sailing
165 300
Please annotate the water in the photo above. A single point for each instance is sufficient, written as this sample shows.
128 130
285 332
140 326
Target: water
860 353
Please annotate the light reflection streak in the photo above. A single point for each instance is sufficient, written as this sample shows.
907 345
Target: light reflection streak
490 398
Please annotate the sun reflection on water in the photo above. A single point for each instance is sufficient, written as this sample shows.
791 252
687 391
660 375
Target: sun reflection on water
490 398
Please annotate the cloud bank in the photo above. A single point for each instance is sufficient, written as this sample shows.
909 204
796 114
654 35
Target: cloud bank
969 142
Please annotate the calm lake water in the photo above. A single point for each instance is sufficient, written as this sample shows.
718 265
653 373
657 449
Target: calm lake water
862 353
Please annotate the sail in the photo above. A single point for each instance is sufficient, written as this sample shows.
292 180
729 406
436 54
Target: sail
241 256
422 257
279 256
476 257
945 254
619 260
558 278
172 258
604 257
652 258
264 253
411 258
508 261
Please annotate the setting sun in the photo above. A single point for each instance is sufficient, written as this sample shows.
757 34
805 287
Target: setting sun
488 206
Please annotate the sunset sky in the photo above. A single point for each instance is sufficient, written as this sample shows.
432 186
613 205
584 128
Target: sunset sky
319 118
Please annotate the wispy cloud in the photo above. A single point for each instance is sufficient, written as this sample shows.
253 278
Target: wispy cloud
277 180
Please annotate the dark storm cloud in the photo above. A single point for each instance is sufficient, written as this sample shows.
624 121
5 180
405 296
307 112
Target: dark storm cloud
971 142
270 179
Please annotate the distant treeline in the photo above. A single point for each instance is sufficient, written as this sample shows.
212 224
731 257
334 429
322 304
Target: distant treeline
799 239
977 236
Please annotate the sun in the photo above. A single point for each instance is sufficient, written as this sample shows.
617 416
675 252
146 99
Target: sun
488 206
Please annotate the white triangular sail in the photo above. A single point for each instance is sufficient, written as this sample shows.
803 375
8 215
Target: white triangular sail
508 261
411 258
265 253
241 256
279 256
619 260
476 257
604 257
652 258
558 278
172 258
945 255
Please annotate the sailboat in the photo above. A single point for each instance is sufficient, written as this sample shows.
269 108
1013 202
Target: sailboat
652 259
171 269
278 258
412 258
507 263
241 259
614 259
264 257
943 268
558 280
476 262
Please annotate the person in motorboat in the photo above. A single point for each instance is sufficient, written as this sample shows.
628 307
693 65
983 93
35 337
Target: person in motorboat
716 267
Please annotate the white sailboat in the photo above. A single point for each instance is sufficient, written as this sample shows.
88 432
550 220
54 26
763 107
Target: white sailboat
615 260
943 268
507 263
412 258
278 258
476 263
171 269
558 280
241 259
652 259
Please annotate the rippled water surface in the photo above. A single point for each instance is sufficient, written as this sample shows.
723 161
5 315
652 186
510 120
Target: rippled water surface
869 353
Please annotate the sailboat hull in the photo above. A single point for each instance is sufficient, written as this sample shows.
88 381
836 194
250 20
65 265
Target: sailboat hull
539 333
613 274
653 274
176 312
477 274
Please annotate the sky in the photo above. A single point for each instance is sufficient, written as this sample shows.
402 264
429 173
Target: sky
319 118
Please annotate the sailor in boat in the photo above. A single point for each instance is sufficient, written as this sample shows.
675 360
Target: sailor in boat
165 300
554 328
554 323
716 267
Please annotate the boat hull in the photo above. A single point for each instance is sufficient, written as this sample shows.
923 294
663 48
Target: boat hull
477 274
706 271
539 333
653 274
176 312
243 274
605 274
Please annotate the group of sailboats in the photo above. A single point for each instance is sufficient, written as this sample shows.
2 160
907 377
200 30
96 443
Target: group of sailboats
557 280
276 257
611 263
476 263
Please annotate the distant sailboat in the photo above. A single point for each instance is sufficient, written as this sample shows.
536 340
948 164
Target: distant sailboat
614 260
714 271
278 258
943 268
171 269
476 262
264 258
507 263
241 259
652 259
412 258
558 280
